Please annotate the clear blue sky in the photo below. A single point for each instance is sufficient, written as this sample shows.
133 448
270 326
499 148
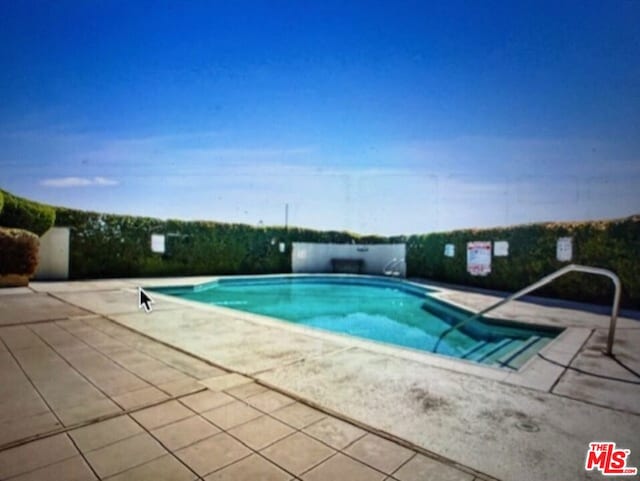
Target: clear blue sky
375 117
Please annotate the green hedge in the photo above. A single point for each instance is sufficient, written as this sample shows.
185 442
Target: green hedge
104 245
613 245
18 252
26 214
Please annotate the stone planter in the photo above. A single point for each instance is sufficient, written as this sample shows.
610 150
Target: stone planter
18 256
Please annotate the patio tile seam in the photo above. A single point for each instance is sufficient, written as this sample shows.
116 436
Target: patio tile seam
96 350
575 355
52 412
111 443
33 385
368 430
252 451
83 455
355 440
112 475
258 451
297 430
207 410
220 468
122 366
175 348
328 412
85 377
601 406
402 464
57 297
17 475
360 461
106 417
39 321
83 291
318 464
144 352
265 413
170 451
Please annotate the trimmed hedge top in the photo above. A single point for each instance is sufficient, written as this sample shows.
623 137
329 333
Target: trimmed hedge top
107 245
26 214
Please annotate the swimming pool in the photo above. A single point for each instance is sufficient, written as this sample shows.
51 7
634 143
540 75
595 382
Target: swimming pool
380 309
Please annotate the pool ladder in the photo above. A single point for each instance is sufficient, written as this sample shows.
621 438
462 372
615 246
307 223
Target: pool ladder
545 280
388 269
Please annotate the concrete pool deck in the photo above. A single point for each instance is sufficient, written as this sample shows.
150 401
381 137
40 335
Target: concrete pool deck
236 393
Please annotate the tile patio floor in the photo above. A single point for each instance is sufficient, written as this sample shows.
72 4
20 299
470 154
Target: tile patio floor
82 398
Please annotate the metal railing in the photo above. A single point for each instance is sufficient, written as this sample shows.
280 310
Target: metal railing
387 270
545 280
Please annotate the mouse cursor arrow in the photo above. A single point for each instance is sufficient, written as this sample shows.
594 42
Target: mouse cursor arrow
144 301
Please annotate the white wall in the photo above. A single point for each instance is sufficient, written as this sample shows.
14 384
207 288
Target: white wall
54 254
310 257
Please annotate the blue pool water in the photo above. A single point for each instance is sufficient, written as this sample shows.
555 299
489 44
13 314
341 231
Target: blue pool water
385 310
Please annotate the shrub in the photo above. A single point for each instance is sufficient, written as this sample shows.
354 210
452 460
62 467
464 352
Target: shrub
1 201
18 252
26 214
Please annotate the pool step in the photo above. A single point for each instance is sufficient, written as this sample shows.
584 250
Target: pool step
473 349
476 329
509 353
483 350
497 349
517 358
482 354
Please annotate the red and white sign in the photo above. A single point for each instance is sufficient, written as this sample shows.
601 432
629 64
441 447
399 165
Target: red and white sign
479 258
603 456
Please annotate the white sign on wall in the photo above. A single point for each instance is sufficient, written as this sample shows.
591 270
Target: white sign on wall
157 243
564 249
449 250
479 258
501 248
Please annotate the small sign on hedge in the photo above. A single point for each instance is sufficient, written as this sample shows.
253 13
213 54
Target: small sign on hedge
157 243
479 258
501 248
449 250
564 249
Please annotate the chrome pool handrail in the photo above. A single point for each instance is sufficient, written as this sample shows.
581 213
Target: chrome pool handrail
387 269
545 280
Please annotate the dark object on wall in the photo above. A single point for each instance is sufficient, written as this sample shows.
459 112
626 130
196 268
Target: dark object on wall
347 266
